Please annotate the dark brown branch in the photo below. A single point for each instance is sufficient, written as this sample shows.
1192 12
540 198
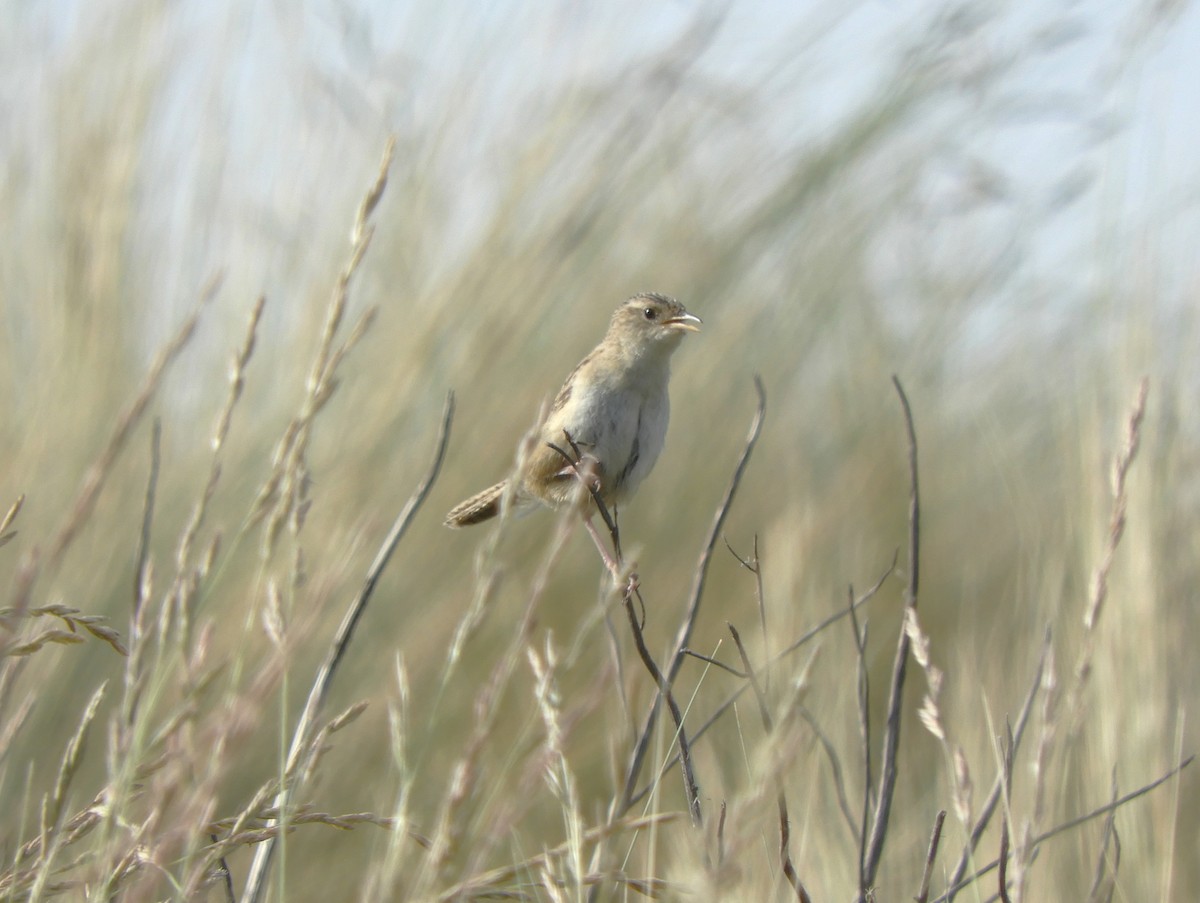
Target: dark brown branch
931 856
740 560
1002 872
664 686
693 609
721 835
754 566
763 711
839 782
664 691
725 706
716 662
837 615
785 839
891 736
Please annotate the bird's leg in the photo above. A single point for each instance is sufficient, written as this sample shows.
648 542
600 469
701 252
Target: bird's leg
586 469
614 566
628 581
613 529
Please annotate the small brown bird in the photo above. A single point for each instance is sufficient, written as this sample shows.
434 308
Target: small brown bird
614 407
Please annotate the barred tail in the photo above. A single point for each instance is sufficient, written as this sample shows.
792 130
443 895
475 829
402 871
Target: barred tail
476 509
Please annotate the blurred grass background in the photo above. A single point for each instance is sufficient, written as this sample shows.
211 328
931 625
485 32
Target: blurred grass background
968 197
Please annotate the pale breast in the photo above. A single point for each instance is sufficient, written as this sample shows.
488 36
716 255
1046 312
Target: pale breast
623 427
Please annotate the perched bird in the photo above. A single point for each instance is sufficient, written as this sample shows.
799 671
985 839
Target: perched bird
613 409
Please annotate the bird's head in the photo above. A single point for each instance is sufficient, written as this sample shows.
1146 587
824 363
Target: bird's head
650 320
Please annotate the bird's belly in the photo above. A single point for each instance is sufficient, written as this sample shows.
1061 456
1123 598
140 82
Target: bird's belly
626 438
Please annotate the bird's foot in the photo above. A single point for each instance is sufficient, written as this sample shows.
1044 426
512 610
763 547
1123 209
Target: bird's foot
632 581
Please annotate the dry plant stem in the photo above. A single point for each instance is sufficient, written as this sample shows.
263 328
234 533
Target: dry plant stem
629 794
1067 826
265 826
1006 822
223 873
611 561
1040 763
931 856
186 588
489 883
1002 868
52 837
1116 529
1104 884
282 497
174 615
891 736
725 706
721 834
1074 703
34 851
591 486
650 888
716 663
553 759
9 517
754 566
785 830
930 716
141 593
989 806
255 881
664 691
237 381
454 815
141 588
864 730
94 480
826 744
614 563
835 765
279 494
11 726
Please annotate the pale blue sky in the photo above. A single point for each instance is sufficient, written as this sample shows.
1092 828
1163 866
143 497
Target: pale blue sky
1105 108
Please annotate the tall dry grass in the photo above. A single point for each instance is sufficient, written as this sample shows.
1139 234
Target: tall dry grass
206 476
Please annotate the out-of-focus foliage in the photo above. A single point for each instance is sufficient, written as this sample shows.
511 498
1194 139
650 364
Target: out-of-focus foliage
840 196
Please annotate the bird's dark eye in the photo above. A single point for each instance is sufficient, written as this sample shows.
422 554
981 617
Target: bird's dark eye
649 313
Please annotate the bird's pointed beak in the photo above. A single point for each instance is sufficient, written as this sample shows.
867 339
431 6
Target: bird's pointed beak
687 322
